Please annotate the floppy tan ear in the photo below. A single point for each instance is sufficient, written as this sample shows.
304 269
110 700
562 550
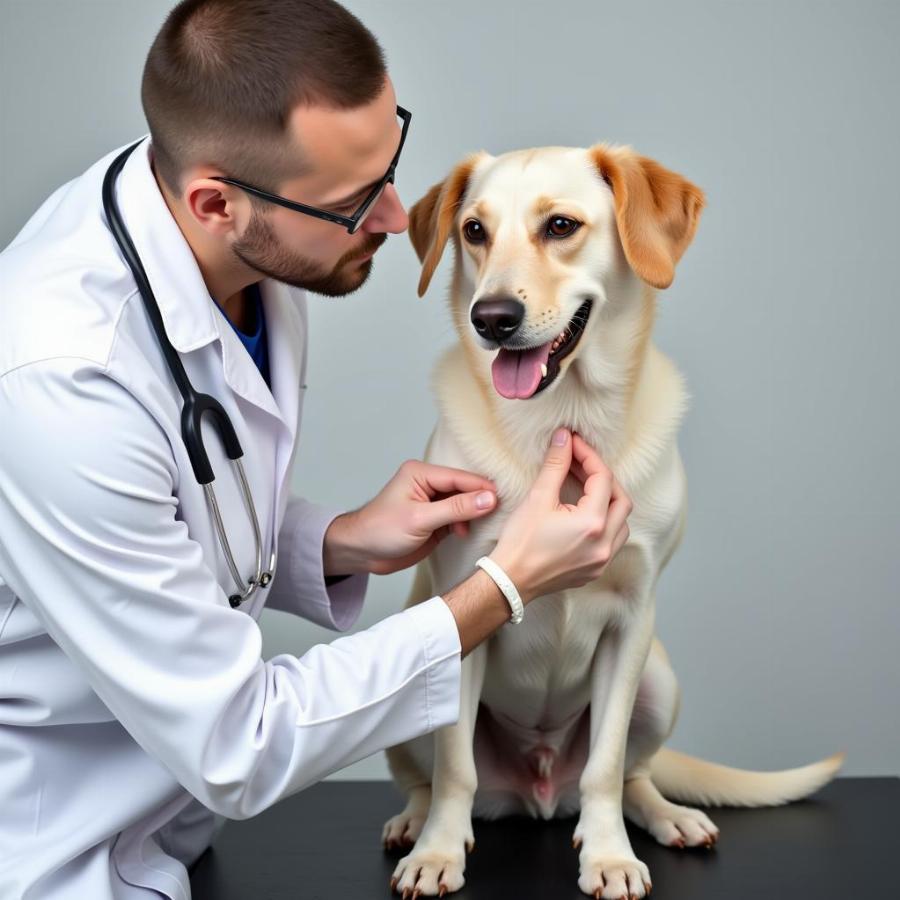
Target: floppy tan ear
431 218
657 211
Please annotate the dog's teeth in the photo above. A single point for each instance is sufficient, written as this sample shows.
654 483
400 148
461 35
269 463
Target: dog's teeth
543 370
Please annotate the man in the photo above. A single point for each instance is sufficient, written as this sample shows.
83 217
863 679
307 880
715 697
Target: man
136 711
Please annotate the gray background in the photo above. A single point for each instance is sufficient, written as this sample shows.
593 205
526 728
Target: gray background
780 611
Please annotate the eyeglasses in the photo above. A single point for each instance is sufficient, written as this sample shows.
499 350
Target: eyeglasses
351 223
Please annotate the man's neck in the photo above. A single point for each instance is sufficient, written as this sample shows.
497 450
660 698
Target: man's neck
225 276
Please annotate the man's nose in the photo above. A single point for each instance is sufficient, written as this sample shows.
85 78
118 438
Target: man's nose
497 318
388 214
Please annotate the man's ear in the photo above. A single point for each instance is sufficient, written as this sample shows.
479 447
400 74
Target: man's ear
431 218
657 210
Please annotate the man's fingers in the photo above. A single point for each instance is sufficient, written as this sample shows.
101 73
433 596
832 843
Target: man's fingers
461 529
620 539
557 460
447 480
587 456
599 481
596 496
450 513
618 512
578 471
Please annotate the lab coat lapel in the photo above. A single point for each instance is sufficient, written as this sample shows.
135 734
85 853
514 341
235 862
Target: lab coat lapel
286 333
241 372
286 330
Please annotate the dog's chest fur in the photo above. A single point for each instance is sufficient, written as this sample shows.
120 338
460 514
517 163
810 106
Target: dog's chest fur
537 686
537 676
538 671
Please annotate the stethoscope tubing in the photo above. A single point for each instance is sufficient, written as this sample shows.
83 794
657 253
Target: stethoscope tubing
195 404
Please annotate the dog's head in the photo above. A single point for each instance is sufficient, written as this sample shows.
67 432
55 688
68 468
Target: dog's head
546 242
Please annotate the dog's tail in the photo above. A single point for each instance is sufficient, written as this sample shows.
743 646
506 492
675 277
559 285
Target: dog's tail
689 779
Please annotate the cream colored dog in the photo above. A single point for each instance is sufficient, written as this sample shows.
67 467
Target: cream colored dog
558 255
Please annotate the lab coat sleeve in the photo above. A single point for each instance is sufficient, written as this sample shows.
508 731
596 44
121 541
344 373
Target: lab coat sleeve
299 583
90 542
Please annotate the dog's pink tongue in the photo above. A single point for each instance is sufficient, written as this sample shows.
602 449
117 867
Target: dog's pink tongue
518 372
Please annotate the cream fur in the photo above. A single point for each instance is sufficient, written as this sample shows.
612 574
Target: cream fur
567 712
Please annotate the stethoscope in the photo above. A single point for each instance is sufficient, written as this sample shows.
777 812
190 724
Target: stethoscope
194 404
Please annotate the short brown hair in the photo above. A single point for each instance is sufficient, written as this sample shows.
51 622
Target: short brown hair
222 77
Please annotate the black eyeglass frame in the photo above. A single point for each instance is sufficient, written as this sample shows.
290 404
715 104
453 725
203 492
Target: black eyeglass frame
351 223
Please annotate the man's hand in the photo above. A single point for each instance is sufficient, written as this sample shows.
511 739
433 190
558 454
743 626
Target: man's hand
414 511
548 546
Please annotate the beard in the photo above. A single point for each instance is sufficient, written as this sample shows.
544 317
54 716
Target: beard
259 249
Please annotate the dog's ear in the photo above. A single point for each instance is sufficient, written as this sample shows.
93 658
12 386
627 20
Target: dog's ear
657 210
431 218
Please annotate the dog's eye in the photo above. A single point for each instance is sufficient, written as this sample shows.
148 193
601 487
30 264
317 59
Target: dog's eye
473 232
560 226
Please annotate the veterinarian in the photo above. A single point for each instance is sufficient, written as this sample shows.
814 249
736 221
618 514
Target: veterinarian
138 546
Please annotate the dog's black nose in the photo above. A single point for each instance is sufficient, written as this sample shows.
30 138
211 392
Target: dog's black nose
497 318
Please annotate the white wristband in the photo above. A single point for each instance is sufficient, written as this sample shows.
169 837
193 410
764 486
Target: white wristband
505 584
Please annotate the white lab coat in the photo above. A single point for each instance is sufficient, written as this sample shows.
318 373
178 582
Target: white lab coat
136 712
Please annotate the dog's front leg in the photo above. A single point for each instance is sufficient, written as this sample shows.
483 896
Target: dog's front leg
437 861
608 866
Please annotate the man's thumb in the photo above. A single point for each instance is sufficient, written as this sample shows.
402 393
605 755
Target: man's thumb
556 465
459 508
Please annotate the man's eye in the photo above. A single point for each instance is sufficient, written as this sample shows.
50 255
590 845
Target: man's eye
560 226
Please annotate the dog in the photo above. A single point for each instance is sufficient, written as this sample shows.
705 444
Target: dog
558 256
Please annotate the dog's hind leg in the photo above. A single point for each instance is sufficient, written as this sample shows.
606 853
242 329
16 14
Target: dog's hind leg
652 720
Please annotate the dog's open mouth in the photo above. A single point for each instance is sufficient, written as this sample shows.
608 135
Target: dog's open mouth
520 374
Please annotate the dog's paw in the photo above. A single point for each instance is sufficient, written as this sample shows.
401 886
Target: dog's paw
681 826
429 872
611 878
402 830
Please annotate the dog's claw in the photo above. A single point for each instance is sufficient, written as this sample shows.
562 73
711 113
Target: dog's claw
648 888
442 890
394 880
576 843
